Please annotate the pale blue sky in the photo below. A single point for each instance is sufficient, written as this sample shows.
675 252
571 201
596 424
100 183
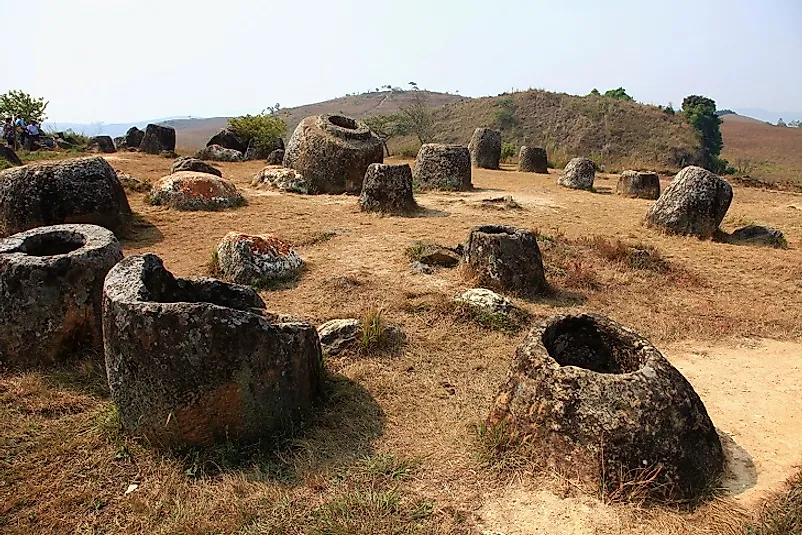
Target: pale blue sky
125 61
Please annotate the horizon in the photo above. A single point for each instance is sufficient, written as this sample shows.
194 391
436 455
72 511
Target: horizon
212 64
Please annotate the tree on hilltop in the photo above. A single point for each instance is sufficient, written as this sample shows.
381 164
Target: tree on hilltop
20 104
700 112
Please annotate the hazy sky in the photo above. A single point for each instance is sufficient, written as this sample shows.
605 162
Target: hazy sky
124 61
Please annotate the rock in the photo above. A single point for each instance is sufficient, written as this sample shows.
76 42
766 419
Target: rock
694 204
47 142
758 235
435 255
256 259
276 157
188 163
51 287
598 402
485 148
421 268
101 144
639 185
132 184
188 190
83 190
119 143
64 144
198 362
533 160
336 335
388 189
281 179
134 136
333 152
443 167
506 258
487 300
216 153
229 140
501 203
578 174
158 139
8 154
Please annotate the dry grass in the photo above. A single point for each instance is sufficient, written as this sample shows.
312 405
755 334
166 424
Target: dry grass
65 466
782 513
767 155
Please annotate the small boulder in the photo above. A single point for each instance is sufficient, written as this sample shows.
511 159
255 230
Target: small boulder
189 163
486 300
119 143
758 235
8 154
338 334
388 189
640 185
229 140
81 190
256 260
421 268
435 255
51 288
216 153
694 204
578 174
158 139
133 137
443 167
533 160
485 148
282 180
187 190
276 157
101 144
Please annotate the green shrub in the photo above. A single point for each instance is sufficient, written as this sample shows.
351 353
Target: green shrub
505 114
509 151
263 130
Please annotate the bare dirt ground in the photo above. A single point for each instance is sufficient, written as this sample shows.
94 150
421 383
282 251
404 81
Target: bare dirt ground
394 448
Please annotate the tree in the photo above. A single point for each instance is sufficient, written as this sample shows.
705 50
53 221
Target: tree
385 127
262 130
781 123
505 114
795 124
273 110
618 94
595 92
700 112
416 118
21 104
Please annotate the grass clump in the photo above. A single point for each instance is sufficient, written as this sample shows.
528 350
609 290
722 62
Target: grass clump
416 251
374 331
782 513
501 449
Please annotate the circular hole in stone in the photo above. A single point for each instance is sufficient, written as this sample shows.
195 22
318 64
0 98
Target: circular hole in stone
496 229
52 244
581 342
343 122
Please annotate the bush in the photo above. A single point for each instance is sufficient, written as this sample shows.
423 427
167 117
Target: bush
505 114
700 112
262 130
509 151
618 94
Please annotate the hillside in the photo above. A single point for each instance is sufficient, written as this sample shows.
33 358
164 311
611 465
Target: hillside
769 153
194 133
614 133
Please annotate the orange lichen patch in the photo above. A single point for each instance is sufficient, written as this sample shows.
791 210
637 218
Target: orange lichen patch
265 244
207 188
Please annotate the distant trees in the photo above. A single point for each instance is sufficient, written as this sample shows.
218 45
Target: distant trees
385 127
21 104
700 112
781 123
263 130
618 94
795 124
505 113
725 111
595 92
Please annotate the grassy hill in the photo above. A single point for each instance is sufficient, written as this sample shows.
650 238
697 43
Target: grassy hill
762 151
614 133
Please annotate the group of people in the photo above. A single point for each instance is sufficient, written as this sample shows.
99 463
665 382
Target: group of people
17 132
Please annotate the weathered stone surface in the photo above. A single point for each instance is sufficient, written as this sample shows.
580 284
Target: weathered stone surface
436 255
101 144
8 154
388 189
133 137
421 268
229 140
338 334
578 174
281 179
130 183
189 163
599 402
758 235
533 160
158 139
487 300
216 153
276 157
444 167
694 204
507 259
485 148
188 190
333 152
638 184
194 362
119 143
83 190
256 259
51 287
